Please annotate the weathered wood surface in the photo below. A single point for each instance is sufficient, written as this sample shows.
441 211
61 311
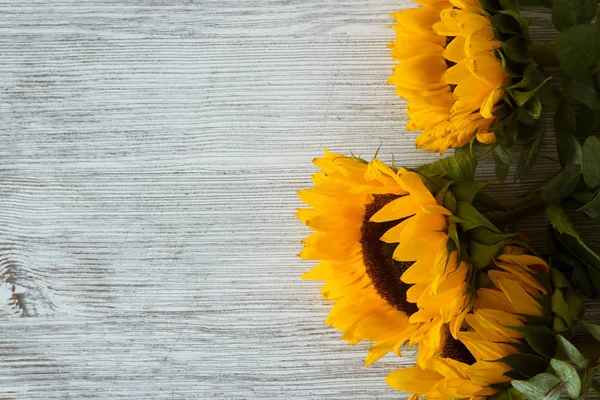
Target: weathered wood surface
150 153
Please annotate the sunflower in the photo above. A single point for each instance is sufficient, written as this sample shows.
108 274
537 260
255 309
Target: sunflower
470 367
385 293
448 71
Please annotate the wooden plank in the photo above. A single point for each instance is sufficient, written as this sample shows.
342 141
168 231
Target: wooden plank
150 155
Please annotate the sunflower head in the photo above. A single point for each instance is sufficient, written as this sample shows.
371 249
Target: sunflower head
463 64
387 248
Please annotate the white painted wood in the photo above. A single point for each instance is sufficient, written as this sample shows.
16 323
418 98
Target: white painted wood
150 155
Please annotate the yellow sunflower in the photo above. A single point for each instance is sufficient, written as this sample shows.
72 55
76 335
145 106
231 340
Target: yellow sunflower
448 72
359 212
469 367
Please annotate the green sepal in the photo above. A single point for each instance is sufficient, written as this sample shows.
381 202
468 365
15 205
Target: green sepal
487 237
575 303
540 338
528 365
516 49
467 191
561 308
460 167
559 280
521 97
559 325
522 25
470 218
511 68
482 255
453 235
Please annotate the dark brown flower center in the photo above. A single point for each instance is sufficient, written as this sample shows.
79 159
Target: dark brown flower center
383 270
456 350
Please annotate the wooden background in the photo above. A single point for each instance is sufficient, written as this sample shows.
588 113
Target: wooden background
149 156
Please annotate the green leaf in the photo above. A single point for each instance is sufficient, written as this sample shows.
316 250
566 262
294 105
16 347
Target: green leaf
569 376
578 50
560 221
584 92
591 162
569 148
471 218
533 392
592 208
527 365
560 307
482 255
550 383
460 167
594 330
570 240
571 351
566 13
563 184
446 198
586 121
467 191
540 338
541 387
529 156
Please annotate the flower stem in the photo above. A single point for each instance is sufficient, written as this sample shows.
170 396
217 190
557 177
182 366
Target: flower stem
517 209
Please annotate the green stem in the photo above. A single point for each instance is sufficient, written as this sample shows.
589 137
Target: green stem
517 209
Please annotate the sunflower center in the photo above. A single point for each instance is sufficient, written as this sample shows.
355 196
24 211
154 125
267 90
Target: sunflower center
456 350
383 270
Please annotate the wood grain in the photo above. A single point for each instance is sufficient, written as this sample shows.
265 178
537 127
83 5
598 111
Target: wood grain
150 155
